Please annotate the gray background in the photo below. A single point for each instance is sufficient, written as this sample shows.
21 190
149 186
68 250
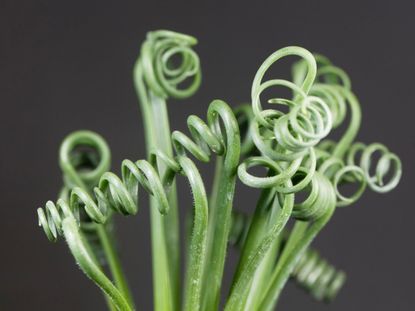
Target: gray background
66 65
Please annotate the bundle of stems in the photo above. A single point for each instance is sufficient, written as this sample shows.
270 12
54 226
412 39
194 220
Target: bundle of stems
307 177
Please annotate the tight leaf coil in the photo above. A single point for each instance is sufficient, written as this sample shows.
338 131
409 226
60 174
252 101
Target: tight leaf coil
317 276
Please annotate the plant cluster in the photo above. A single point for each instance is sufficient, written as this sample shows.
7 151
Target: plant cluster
307 178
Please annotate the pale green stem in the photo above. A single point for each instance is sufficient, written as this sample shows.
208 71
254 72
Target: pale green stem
219 227
164 229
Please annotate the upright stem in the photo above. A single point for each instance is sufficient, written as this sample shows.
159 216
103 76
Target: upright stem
164 229
158 76
219 226
266 214
171 220
261 277
256 256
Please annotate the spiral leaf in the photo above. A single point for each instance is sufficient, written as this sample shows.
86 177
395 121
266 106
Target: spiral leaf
161 74
318 277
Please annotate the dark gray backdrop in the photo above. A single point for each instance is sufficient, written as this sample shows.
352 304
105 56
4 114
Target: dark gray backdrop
66 65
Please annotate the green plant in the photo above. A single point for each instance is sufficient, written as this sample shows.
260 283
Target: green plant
291 146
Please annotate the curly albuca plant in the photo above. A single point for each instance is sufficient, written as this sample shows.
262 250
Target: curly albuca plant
307 178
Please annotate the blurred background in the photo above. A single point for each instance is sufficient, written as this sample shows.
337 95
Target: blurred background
67 65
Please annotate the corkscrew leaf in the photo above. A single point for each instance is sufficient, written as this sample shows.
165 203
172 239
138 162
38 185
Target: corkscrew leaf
164 77
317 276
